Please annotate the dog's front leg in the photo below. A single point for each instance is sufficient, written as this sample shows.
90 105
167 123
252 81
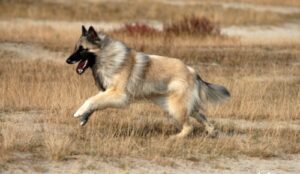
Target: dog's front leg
109 98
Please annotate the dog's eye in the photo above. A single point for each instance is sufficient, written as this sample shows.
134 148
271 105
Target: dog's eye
78 47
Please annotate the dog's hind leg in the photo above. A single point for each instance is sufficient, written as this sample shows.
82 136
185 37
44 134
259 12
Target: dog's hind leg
208 126
179 111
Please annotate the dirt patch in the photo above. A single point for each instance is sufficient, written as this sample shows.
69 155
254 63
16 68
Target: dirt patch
28 52
239 5
288 31
262 124
270 8
27 163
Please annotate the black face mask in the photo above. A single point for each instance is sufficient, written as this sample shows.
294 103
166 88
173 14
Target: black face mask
87 59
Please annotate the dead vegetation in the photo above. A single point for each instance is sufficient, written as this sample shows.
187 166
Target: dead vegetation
142 129
39 97
139 10
192 25
187 26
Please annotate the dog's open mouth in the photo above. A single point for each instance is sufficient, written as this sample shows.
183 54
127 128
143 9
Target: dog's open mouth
82 66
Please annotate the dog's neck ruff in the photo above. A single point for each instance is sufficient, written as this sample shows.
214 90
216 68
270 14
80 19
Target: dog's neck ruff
108 61
111 58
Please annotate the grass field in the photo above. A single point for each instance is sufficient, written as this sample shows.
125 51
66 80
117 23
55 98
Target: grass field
40 92
139 10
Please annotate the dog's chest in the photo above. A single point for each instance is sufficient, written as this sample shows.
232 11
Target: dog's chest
100 81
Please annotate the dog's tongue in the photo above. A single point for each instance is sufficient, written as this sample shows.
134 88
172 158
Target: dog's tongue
81 67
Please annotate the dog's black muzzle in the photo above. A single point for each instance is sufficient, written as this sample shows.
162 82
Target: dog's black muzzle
75 57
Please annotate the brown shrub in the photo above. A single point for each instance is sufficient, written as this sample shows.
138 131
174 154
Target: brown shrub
138 28
192 25
188 25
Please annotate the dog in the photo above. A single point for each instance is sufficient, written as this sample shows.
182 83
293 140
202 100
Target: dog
123 74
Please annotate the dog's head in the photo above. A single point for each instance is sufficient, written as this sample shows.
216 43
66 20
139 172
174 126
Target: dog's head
88 44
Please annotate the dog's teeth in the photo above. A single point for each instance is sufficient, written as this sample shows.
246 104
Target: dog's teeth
85 63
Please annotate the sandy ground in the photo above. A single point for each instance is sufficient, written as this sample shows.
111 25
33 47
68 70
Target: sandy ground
289 31
19 51
237 5
25 163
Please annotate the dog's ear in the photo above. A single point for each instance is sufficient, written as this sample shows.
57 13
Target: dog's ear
92 35
84 31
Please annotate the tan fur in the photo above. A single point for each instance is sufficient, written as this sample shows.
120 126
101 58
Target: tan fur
168 82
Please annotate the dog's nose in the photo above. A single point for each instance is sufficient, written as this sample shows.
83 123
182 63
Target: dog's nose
69 61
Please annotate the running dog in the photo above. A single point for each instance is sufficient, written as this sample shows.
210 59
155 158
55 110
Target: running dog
123 74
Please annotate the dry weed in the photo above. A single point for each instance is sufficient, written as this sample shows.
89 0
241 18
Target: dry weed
57 142
17 137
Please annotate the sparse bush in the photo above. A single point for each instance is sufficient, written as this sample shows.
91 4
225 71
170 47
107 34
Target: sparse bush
192 25
57 143
188 25
138 28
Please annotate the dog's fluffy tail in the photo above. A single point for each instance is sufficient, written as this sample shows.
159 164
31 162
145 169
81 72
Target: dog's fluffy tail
212 93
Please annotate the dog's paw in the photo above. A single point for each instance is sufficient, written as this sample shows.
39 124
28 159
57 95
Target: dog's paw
82 123
84 109
84 119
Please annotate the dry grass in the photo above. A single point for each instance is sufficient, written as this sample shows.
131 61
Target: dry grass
263 80
135 10
43 34
192 25
142 129
57 142
137 28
